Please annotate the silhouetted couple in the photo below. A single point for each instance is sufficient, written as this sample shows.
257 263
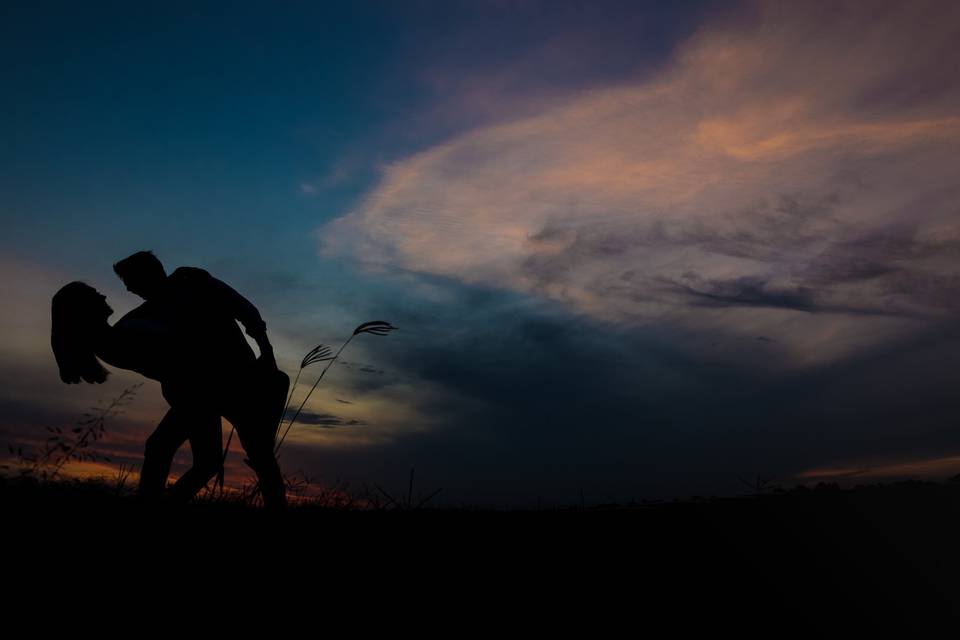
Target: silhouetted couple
184 335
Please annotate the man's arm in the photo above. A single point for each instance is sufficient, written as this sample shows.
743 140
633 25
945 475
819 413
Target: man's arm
243 310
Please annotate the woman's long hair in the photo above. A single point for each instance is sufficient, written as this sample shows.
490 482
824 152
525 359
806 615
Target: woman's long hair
75 312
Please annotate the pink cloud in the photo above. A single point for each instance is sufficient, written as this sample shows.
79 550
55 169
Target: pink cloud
790 174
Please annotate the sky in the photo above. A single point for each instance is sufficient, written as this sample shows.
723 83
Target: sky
634 249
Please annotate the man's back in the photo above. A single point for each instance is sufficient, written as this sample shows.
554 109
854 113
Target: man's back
203 312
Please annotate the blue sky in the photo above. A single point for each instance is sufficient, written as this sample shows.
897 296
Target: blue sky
629 246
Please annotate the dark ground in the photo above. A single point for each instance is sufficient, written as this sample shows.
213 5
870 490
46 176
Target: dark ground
879 555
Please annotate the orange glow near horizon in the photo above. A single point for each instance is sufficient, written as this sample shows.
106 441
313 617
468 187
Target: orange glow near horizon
930 469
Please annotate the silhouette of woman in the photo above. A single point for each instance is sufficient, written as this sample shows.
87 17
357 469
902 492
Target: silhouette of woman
154 348
81 334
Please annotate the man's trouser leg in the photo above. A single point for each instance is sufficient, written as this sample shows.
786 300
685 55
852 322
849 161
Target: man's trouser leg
257 441
254 412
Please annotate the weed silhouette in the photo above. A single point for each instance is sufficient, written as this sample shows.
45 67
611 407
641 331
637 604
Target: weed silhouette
73 445
407 502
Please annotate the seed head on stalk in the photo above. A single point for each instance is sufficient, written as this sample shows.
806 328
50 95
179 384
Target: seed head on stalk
376 327
319 353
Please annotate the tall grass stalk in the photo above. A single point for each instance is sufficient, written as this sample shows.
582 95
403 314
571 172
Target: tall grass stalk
375 327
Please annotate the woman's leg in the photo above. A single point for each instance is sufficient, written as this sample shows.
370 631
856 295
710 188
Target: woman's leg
158 454
206 443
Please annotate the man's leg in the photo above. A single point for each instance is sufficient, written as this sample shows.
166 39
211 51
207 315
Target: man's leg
254 409
257 441
158 454
206 443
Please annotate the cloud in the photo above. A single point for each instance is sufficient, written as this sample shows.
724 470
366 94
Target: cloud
326 420
791 172
361 367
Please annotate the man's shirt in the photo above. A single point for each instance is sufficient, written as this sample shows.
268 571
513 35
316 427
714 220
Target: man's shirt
203 311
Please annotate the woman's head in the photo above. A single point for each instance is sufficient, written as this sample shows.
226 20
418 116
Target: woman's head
78 311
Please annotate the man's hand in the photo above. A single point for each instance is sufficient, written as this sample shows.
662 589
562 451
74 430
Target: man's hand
266 359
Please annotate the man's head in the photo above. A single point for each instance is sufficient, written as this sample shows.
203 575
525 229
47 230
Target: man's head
142 273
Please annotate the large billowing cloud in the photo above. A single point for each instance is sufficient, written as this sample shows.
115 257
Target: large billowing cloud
792 174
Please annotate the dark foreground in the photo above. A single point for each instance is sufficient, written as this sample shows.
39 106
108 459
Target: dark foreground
882 555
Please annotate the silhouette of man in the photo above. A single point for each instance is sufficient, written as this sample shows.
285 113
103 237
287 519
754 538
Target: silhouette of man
220 376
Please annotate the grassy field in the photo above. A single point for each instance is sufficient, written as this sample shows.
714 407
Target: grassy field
887 550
